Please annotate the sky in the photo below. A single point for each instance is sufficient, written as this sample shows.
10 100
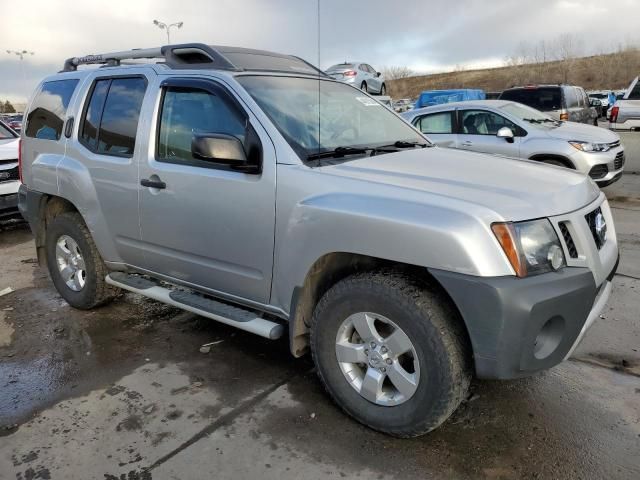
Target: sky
425 35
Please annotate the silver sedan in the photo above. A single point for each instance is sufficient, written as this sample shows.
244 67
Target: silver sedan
360 75
514 130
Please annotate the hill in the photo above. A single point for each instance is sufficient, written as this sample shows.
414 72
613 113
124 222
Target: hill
608 71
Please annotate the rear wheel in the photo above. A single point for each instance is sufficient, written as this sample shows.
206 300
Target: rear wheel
75 266
363 87
390 352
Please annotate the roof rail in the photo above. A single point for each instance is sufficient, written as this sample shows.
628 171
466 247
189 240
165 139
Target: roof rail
186 55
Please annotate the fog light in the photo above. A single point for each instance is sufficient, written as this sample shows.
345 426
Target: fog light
555 257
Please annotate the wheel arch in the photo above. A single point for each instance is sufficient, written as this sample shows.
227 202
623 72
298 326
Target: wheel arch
333 267
49 207
540 157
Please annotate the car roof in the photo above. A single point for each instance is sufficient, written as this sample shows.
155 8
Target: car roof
464 104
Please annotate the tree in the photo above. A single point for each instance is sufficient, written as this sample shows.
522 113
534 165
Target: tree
396 72
7 107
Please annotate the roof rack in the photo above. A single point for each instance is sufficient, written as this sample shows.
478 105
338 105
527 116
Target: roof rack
201 56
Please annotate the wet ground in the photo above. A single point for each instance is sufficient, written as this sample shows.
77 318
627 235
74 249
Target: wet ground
123 393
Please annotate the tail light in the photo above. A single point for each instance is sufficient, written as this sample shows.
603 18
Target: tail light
350 73
614 114
20 160
564 117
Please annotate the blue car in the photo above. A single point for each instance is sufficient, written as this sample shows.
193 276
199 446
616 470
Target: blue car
429 98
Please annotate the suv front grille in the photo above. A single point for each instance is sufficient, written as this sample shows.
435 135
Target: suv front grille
568 240
9 175
598 171
599 235
618 163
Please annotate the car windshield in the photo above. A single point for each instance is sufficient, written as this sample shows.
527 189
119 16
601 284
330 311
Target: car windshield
317 116
543 99
5 132
528 114
598 95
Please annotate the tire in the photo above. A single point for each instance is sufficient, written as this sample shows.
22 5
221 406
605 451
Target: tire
432 326
68 228
363 87
383 89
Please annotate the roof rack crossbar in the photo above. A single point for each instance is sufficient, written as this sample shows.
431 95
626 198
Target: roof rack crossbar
187 55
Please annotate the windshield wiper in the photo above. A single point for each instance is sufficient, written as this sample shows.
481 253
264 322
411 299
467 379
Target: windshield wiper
533 120
339 152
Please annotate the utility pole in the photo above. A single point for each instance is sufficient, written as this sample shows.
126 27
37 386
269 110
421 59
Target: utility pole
167 28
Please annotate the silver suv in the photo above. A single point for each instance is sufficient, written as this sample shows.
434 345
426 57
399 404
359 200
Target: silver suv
514 130
249 188
561 102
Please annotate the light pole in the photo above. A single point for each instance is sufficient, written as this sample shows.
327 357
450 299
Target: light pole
167 27
21 54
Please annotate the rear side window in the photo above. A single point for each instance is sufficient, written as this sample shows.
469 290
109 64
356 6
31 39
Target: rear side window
436 123
571 97
634 94
110 121
47 115
543 99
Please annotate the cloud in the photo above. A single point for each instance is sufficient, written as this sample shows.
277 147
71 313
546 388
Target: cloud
427 36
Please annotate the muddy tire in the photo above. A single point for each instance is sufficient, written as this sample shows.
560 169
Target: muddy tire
75 266
386 324
363 87
383 89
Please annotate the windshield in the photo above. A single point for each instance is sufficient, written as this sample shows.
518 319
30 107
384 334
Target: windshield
5 132
598 95
528 114
543 99
317 116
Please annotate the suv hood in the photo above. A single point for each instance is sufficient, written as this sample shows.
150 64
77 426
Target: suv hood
513 189
9 149
586 133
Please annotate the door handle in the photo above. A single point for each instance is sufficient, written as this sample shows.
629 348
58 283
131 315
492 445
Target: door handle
467 144
145 182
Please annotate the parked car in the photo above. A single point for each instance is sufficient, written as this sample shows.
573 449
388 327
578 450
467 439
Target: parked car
625 113
606 98
254 190
561 102
515 130
492 95
9 178
360 75
402 105
437 97
15 122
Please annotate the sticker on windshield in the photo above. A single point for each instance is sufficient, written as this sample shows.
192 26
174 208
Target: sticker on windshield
369 102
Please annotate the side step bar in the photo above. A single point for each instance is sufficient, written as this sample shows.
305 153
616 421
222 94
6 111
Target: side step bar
230 315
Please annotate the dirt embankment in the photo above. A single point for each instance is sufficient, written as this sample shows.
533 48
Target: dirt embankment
615 70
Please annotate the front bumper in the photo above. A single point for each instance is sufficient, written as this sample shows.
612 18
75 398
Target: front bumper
604 167
519 326
9 203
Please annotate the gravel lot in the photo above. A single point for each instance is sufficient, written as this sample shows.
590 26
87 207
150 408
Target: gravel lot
124 393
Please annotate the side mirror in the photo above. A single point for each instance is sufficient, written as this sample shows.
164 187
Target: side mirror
506 133
222 149
378 74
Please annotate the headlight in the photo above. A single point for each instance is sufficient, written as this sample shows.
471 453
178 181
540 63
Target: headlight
532 247
590 147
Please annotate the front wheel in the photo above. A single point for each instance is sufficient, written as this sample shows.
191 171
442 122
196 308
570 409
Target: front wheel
75 266
363 87
383 89
391 352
